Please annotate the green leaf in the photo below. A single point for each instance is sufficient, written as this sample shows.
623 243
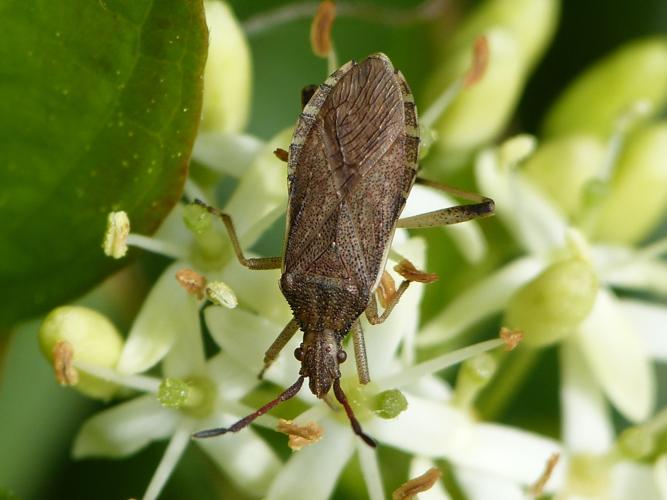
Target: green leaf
99 106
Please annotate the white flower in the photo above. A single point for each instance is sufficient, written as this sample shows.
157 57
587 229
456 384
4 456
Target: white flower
429 427
609 338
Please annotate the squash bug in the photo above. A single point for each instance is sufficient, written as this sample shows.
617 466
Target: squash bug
351 163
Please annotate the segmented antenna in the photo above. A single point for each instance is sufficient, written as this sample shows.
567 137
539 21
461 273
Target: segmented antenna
290 392
356 426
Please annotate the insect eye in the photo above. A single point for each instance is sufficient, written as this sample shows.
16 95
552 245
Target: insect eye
341 356
298 354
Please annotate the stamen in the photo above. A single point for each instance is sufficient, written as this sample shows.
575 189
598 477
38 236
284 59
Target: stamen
138 382
169 460
414 373
157 246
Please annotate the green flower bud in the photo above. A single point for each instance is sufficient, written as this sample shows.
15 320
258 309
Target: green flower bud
480 111
552 305
563 168
92 339
637 196
228 74
531 23
636 443
389 404
596 99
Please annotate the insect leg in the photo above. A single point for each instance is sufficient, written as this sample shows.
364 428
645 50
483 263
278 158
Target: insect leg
253 263
278 344
483 207
360 353
372 310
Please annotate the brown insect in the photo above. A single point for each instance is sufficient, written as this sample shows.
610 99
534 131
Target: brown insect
352 163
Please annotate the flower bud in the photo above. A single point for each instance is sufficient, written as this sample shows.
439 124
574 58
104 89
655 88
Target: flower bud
92 339
563 167
636 443
637 196
228 73
531 22
480 111
552 305
597 98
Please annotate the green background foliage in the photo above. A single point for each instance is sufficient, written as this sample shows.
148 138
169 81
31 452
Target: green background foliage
99 105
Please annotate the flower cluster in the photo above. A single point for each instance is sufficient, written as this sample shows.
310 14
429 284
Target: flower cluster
575 207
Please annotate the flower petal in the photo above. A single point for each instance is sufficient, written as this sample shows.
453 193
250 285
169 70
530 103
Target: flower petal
244 456
258 291
433 429
634 480
124 429
618 359
226 153
312 473
660 474
481 487
260 196
232 378
481 300
536 223
245 336
167 312
650 322
586 424
370 469
468 237
186 357
640 274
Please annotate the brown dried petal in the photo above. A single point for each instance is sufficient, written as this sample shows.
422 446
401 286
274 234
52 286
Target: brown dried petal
510 337
300 435
193 282
320 29
417 485
63 363
407 269
387 289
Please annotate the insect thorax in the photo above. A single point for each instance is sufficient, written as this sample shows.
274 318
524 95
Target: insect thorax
322 303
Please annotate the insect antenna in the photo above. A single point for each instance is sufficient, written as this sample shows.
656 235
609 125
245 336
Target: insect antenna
290 392
356 426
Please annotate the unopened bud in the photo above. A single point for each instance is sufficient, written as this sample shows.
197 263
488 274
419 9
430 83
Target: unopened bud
565 167
553 304
597 98
637 197
72 333
636 443
228 74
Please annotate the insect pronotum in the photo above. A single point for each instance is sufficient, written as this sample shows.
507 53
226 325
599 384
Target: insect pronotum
351 163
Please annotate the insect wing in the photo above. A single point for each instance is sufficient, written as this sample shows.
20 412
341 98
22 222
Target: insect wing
352 163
